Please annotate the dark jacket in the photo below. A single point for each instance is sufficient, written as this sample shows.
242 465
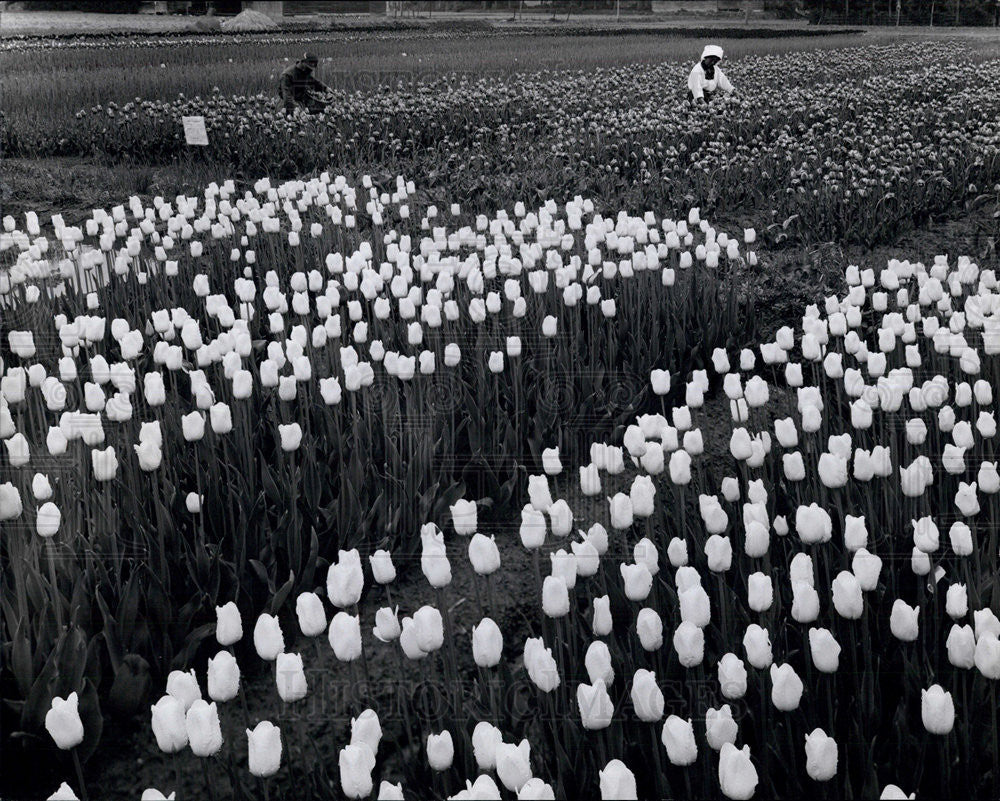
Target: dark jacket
295 86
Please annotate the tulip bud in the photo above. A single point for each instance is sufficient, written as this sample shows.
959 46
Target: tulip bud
184 687
383 570
387 626
63 722
825 650
596 706
264 745
440 750
345 580
345 636
311 615
757 644
621 511
229 627
821 756
598 663
429 628
649 627
689 642
267 637
813 524
169 726
677 552
536 790
847 598
961 645
356 763
786 687
695 606
532 529
617 782
866 568
290 677
855 533
485 739
483 554
513 764
550 461
678 739
390 792
602 622
647 698
719 551
487 643
223 677
987 655
464 517
638 581
203 728
760 592
555 597
732 674
587 560
737 775
903 621
434 559
957 601
937 710
720 728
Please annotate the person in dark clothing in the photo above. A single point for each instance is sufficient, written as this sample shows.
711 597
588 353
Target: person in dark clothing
298 87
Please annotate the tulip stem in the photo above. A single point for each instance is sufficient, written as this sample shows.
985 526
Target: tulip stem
404 701
246 710
995 735
56 598
536 566
661 774
490 600
79 774
210 789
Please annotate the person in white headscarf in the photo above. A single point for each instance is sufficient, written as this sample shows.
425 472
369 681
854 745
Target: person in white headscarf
706 78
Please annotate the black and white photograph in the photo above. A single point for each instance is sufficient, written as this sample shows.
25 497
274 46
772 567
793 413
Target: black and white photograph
499 399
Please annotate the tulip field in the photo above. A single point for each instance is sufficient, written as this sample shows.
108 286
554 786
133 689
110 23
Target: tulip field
441 453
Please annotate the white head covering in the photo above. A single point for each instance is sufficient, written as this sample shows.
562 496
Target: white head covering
712 50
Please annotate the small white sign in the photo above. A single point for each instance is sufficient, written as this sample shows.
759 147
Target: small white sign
194 130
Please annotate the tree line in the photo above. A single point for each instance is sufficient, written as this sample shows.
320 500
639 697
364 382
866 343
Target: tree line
903 12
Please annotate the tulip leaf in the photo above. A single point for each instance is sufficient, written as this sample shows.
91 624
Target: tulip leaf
279 598
71 653
192 642
20 660
112 639
93 720
39 699
270 485
309 571
80 605
261 572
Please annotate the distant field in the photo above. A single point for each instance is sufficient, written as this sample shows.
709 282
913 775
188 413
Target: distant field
45 88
